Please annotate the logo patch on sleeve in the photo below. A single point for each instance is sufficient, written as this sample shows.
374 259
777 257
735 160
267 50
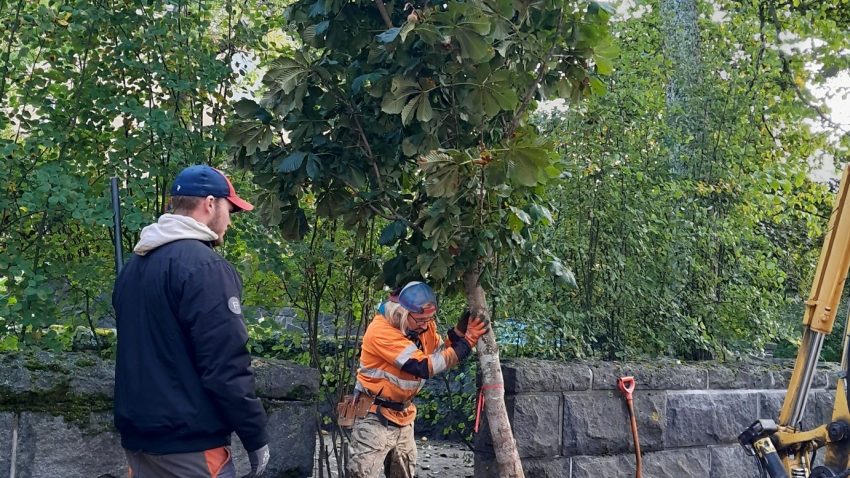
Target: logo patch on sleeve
234 305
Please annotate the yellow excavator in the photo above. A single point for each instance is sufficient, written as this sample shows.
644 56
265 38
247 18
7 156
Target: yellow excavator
782 449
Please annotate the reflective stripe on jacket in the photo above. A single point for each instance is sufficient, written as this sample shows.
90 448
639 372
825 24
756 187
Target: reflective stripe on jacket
386 350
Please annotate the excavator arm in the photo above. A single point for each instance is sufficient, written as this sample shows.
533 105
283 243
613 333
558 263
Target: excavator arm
782 448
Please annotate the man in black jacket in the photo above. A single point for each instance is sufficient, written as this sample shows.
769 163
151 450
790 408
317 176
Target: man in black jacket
183 377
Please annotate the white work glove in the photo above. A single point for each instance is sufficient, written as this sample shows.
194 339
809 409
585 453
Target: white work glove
259 460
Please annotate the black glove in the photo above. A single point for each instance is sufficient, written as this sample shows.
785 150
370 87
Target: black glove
259 460
462 323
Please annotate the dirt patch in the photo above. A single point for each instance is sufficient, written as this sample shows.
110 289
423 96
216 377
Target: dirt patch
436 458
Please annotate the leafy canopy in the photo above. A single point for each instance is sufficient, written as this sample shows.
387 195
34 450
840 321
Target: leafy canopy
419 117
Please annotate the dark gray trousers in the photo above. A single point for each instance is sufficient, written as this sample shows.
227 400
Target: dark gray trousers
214 463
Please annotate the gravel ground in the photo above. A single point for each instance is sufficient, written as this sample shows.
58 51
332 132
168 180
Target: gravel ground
436 458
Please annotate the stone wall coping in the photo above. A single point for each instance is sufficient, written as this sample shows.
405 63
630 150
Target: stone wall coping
525 375
76 374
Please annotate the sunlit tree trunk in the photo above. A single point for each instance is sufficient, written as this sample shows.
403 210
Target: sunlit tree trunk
490 369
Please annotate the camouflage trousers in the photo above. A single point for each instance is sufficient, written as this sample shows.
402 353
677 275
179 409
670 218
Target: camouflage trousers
375 446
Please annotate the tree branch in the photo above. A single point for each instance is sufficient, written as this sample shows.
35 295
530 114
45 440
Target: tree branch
767 128
16 22
390 217
761 48
374 164
384 14
396 217
542 71
367 150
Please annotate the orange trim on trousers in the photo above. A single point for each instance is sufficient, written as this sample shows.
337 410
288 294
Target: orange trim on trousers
213 463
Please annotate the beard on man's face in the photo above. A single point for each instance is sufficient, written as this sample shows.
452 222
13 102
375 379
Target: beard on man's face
218 223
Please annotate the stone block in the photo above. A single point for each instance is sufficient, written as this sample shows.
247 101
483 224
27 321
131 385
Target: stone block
658 375
49 446
70 373
708 418
732 462
486 467
7 424
770 403
292 429
740 377
485 464
529 375
546 467
818 407
687 463
612 466
677 464
765 374
824 377
81 386
535 422
281 380
81 374
598 423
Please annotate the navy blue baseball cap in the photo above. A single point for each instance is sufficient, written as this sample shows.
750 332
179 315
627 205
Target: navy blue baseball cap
418 297
203 181
393 298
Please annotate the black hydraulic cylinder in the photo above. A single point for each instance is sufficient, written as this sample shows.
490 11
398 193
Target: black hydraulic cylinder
756 440
766 453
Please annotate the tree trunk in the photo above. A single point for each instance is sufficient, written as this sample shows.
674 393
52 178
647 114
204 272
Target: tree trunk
490 369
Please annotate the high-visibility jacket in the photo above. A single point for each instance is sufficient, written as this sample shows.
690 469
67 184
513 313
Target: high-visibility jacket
394 366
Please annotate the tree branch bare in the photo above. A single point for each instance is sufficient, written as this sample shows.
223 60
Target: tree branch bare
383 9
541 71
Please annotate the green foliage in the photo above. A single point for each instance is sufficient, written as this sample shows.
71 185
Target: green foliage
415 149
449 405
423 124
693 267
91 90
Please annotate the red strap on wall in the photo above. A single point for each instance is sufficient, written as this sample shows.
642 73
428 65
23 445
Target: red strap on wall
481 403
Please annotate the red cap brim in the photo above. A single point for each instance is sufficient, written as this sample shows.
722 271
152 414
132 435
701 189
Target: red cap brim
242 204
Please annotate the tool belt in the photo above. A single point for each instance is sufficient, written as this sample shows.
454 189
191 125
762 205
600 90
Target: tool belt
396 406
358 405
381 418
350 407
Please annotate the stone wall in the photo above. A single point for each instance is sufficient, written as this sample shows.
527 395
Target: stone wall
56 418
570 419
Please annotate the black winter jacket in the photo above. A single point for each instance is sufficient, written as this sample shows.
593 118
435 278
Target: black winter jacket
183 376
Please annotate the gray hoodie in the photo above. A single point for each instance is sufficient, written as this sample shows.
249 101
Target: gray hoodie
170 228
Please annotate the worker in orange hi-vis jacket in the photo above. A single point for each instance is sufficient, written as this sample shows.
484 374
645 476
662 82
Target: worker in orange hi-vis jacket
401 349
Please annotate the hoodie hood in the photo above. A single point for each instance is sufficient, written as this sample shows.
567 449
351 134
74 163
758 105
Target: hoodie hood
170 228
